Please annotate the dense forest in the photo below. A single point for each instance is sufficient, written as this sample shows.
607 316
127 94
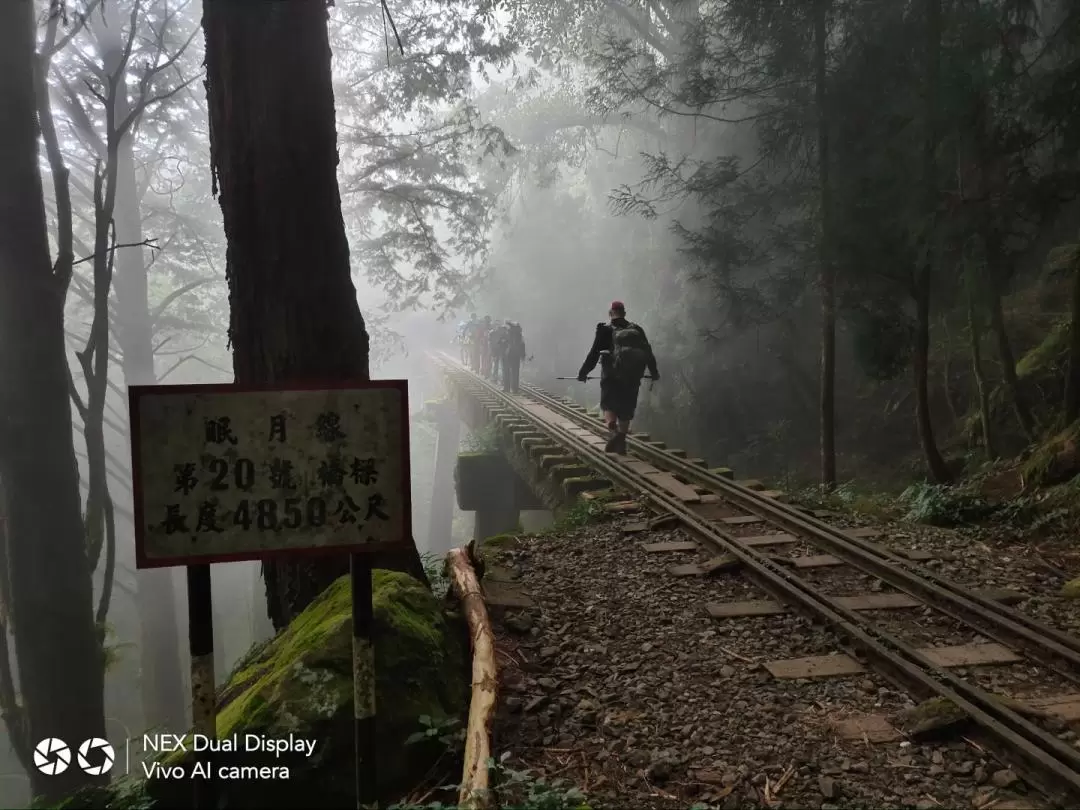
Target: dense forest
849 227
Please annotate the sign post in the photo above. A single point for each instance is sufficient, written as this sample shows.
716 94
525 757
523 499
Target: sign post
225 473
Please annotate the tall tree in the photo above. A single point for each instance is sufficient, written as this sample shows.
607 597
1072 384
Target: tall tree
48 591
939 471
827 274
273 147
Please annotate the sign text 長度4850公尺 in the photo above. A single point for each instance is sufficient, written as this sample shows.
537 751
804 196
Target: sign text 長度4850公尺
226 473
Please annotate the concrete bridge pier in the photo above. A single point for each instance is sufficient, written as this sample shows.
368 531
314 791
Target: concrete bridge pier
441 517
487 485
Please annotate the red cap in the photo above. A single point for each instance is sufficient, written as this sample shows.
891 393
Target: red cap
617 306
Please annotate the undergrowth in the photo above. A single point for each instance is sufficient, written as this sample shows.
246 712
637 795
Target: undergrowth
435 568
484 440
578 514
520 789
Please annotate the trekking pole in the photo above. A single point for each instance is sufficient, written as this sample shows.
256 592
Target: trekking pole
644 377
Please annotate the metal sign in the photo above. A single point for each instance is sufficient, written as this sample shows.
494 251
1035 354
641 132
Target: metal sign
225 473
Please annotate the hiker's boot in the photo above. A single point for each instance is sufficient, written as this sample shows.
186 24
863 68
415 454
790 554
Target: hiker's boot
612 445
619 444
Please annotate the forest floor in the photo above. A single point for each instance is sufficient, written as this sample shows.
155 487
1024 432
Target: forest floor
621 685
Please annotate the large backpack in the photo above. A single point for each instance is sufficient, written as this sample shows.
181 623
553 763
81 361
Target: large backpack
515 340
630 352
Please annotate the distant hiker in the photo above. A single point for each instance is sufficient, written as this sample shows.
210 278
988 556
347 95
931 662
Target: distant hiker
483 338
500 333
472 344
462 340
624 354
513 354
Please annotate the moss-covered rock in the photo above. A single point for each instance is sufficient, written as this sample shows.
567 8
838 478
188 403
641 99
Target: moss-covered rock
1054 461
1071 589
300 684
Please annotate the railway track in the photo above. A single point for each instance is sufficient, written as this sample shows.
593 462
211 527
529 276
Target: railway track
715 519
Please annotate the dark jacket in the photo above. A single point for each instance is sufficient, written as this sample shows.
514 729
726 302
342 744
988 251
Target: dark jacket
604 341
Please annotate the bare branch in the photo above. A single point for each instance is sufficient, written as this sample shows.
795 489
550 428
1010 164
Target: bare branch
159 310
150 243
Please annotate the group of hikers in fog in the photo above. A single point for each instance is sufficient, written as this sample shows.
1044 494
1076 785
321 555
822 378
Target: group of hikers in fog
495 349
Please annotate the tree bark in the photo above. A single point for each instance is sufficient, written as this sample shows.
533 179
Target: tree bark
60 661
1072 376
981 389
998 274
163 702
827 275
939 471
273 149
474 792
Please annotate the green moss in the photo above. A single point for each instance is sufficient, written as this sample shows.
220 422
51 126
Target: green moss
301 683
1048 355
1071 589
1054 460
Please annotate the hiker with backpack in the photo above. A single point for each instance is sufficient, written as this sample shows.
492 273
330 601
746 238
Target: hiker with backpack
624 354
513 354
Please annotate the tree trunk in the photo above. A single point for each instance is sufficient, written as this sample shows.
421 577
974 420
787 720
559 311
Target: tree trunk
163 702
939 471
1072 376
998 275
828 277
975 333
60 662
273 148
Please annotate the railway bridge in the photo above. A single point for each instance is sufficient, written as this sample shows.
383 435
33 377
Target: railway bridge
532 465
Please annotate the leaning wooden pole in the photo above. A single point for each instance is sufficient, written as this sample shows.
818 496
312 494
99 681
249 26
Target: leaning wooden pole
475 793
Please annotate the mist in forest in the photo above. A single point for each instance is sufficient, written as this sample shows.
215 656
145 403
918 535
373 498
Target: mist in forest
731 176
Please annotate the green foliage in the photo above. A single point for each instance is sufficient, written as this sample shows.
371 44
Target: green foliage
580 513
519 789
435 568
447 731
484 440
942 506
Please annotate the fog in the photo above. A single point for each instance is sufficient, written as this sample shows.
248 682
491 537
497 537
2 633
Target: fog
530 162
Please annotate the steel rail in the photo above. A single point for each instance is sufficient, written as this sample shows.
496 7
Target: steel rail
1046 761
1052 647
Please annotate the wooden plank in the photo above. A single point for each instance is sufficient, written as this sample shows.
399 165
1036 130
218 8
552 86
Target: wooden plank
1003 595
713 566
767 540
867 532
877 601
734 610
775 494
751 483
622 506
671 545
817 666
816 561
670 484
970 655
872 728
634 528
742 520
636 465
709 498
867 601
921 555
1067 707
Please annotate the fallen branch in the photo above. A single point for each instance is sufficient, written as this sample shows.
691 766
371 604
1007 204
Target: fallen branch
474 791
